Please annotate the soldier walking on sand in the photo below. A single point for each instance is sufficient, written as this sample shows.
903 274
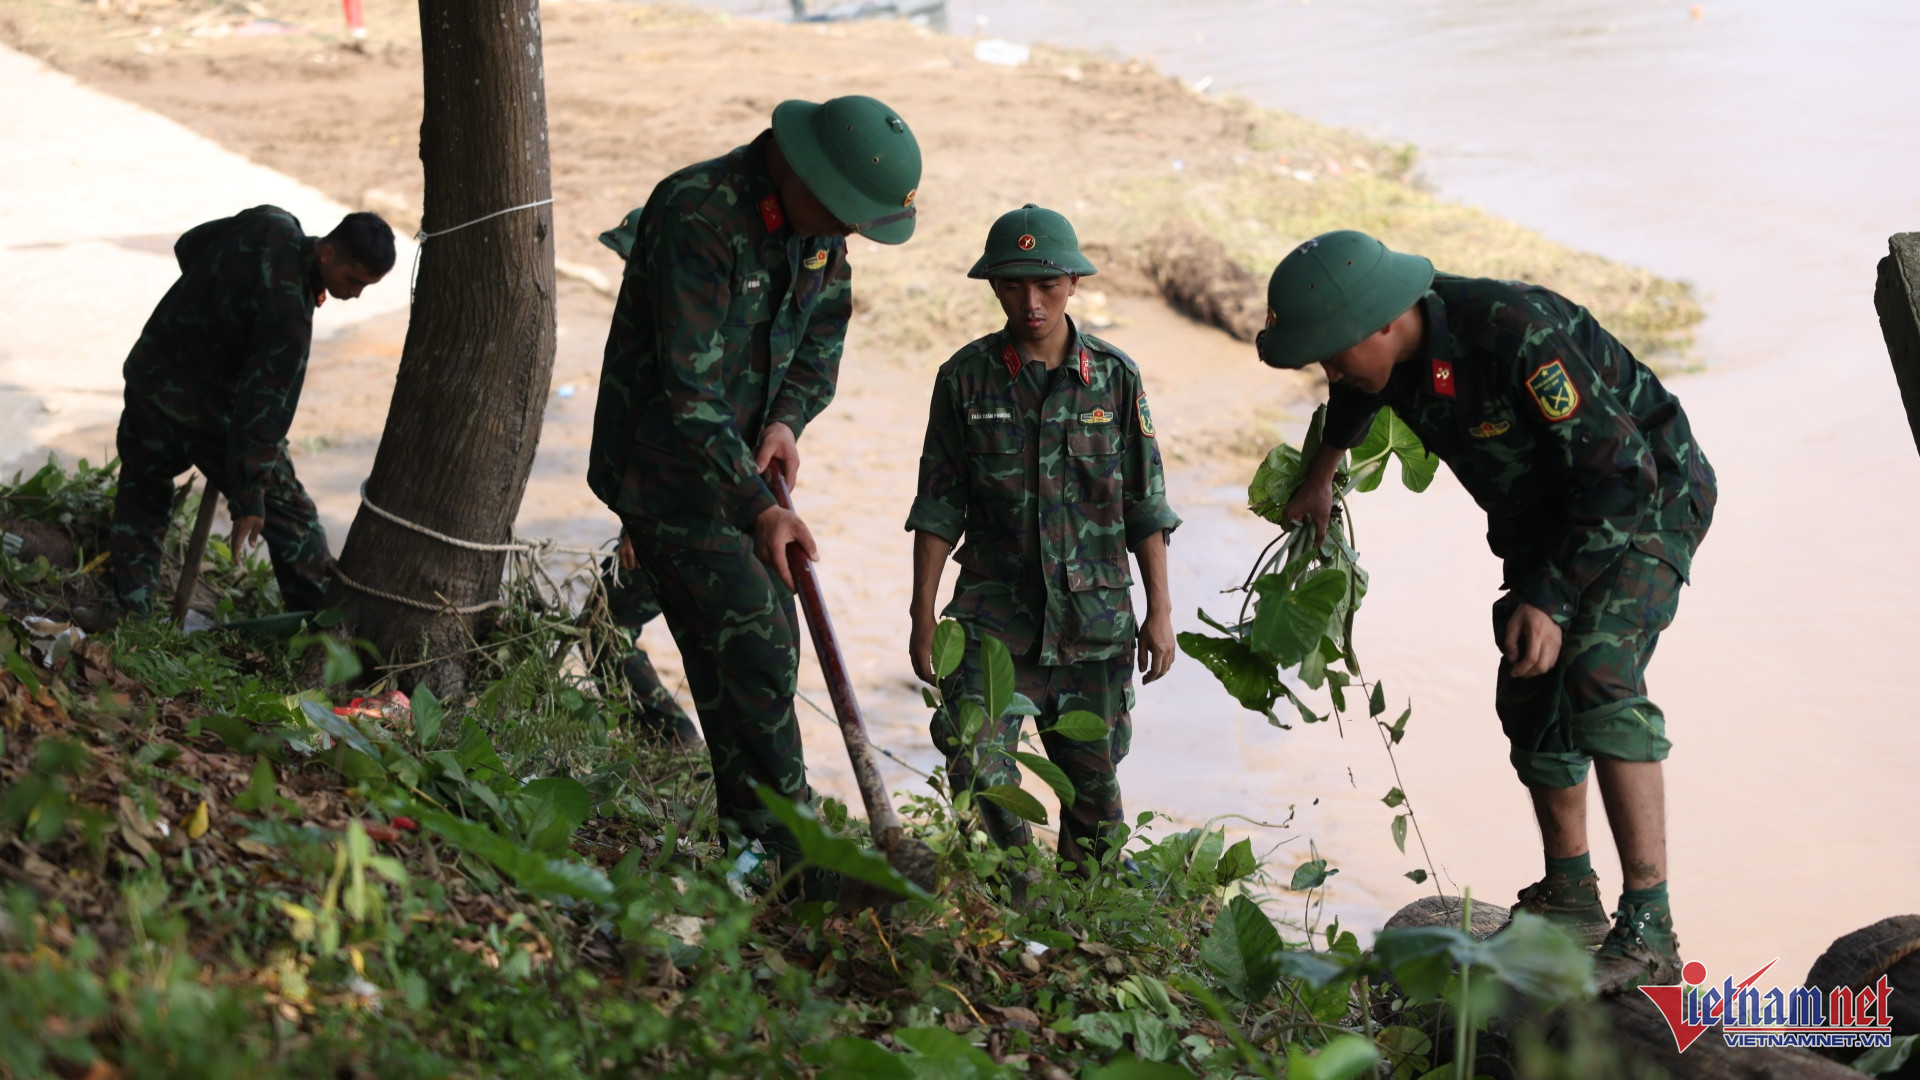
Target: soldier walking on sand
725 344
1040 453
213 384
1596 497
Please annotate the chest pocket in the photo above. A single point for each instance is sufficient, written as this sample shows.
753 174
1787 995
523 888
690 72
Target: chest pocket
996 449
751 304
1093 462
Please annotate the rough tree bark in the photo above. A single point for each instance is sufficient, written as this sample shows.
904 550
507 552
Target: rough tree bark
472 385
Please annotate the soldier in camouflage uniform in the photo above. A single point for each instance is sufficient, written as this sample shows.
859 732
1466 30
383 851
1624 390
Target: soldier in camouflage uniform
213 383
1596 497
1040 453
725 344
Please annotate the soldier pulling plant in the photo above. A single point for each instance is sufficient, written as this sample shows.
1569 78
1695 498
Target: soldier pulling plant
1040 452
1596 497
725 344
213 384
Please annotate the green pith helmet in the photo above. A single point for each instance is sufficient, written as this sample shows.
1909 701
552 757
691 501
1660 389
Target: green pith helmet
1331 292
858 158
621 237
1031 242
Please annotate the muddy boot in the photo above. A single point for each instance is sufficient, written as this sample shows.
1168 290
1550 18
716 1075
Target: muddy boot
1573 906
1640 950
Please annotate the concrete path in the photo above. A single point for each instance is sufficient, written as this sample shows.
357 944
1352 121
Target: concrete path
93 192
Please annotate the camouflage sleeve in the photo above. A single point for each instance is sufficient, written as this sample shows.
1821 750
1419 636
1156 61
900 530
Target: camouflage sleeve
815 368
271 375
940 504
1350 415
613 409
1143 490
1613 480
690 270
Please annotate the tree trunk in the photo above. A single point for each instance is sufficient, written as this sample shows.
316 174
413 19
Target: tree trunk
472 385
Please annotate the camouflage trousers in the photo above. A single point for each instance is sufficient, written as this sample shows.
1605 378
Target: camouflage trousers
1102 687
153 451
739 638
622 668
1594 702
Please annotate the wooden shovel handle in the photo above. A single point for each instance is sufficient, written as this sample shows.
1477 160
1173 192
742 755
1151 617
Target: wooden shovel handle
833 664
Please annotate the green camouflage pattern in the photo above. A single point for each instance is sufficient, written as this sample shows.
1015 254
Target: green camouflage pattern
1594 702
738 634
623 669
224 354
1573 448
726 321
153 450
1103 687
1050 478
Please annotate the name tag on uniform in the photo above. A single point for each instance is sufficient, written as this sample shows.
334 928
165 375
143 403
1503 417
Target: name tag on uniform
755 282
989 416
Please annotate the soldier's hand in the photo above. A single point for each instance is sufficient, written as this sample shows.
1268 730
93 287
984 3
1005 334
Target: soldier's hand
773 530
1156 645
246 531
1531 642
1313 502
777 445
627 559
920 650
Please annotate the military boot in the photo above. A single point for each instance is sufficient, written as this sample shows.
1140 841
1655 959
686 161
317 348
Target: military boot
1573 906
1640 950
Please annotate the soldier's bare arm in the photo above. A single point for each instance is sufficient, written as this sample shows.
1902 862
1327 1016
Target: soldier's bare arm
1314 501
1156 651
929 561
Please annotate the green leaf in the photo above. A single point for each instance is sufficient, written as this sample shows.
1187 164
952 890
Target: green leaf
1274 482
476 751
939 1044
1317 969
949 648
1081 726
338 727
853 1058
972 719
1391 438
1418 877
996 666
1241 950
554 808
1395 797
1250 678
1310 875
1017 800
1400 832
1206 857
1537 960
548 878
927 695
1054 776
231 730
1289 623
1885 1059
1139 1070
427 714
1021 705
1237 863
1343 1058
1398 729
1421 958
1135 1029
18 666
1377 701
837 853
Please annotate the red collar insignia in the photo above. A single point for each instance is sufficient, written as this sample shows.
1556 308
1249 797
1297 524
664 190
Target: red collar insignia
770 213
1010 356
1086 368
1443 377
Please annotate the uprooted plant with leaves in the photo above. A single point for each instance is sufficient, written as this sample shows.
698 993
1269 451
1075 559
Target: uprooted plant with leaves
211 870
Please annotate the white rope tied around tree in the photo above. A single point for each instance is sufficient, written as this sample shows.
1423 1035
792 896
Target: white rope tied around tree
420 238
540 549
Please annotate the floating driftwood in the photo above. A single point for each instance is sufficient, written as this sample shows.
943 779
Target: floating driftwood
1897 298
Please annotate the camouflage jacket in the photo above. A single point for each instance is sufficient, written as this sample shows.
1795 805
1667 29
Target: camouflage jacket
727 321
1051 478
226 349
1571 446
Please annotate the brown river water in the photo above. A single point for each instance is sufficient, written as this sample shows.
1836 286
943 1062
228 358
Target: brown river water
1761 149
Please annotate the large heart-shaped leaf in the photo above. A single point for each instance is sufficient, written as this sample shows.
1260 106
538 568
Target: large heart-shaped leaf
1241 950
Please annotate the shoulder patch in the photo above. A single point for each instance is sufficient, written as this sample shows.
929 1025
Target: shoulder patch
1146 416
1553 390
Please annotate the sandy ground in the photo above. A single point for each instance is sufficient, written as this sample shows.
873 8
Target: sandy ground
1786 675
